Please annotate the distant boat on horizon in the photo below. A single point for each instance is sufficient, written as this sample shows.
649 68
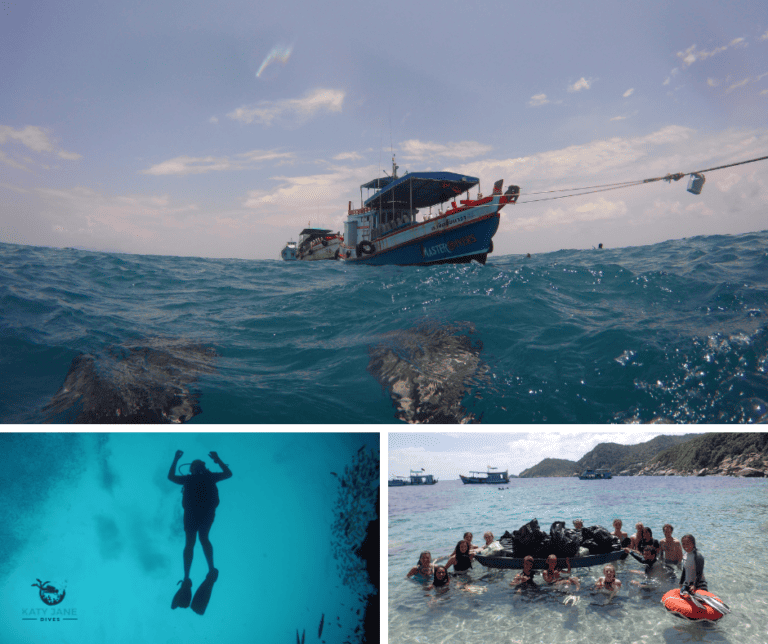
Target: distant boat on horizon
416 478
482 478
592 475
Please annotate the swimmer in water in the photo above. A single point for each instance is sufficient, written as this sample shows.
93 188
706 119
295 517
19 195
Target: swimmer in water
424 568
693 566
552 573
671 548
617 532
468 539
525 578
608 580
461 559
652 564
441 578
637 537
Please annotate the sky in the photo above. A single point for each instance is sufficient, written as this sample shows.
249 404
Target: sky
222 129
446 455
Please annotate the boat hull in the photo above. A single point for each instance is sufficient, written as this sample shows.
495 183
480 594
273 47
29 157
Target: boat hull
456 239
541 564
474 480
317 251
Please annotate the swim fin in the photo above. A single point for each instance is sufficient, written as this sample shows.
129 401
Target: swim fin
718 605
203 593
686 595
183 595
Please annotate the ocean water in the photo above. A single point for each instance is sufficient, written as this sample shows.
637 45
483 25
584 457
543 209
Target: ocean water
94 515
727 516
675 331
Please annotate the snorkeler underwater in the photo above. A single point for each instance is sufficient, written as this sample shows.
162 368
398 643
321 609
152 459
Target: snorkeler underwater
101 537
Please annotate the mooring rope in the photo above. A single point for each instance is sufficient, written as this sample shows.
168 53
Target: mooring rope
627 184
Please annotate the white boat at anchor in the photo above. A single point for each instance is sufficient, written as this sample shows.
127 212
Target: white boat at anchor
318 243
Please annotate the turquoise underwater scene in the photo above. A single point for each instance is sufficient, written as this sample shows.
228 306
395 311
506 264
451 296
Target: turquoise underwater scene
675 331
728 517
93 536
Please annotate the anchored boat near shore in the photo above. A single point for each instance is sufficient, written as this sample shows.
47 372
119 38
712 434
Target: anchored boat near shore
417 477
592 475
485 477
386 231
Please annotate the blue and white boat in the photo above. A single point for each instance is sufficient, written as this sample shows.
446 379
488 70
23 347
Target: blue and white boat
385 229
289 252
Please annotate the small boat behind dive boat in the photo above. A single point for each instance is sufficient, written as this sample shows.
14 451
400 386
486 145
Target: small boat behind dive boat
318 243
289 252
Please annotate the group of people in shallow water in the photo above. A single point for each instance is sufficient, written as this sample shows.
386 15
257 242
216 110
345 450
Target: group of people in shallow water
657 557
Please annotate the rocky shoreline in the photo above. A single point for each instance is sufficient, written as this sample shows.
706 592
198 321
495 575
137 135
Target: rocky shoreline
745 465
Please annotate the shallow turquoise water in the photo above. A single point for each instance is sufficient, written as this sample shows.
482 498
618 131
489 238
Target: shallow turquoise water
728 517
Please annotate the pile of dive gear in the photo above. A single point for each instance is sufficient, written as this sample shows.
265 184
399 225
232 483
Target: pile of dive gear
561 541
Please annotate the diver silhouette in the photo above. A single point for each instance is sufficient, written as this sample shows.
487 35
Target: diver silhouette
200 499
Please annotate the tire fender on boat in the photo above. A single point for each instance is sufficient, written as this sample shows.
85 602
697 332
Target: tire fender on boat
366 248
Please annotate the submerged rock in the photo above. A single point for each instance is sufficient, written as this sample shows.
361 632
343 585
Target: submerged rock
147 382
428 370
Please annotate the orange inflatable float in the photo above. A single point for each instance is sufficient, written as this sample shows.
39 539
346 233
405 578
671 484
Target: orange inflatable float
710 607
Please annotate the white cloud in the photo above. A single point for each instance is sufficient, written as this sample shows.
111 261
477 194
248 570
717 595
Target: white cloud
538 99
713 82
738 42
414 149
667 81
601 209
691 55
764 36
764 92
618 118
347 156
91 214
213 119
741 83
296 109
628 93
580 84
184 165
36 139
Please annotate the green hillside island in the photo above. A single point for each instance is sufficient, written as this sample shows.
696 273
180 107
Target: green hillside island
742 454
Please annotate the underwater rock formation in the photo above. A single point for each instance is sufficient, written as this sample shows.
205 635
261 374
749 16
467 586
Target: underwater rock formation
428 370
133 383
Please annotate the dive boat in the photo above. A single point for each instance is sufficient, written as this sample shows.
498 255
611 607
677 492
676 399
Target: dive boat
385 229
592 475
485 477
416 478
318 243
289 252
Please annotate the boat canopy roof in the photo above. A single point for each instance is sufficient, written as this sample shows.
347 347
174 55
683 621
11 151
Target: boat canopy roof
314 231
426 188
